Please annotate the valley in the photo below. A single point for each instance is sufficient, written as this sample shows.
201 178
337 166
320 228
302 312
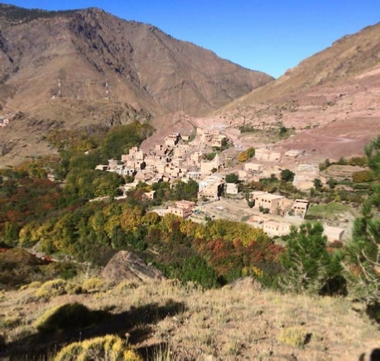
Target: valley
158 202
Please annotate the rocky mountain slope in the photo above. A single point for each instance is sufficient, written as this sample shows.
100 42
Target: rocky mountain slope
75 68
345 59
85 49
331 99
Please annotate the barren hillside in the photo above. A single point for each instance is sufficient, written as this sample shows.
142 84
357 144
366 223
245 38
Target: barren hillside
75 68
87 48
331 99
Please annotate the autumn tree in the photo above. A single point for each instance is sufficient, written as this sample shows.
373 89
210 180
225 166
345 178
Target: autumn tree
242 157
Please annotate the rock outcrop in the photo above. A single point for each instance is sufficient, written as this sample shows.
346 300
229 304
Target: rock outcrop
127 266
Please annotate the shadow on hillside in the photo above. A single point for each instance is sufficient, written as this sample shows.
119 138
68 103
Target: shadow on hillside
137 323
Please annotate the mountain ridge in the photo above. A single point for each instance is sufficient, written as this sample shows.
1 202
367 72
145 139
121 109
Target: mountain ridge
113 46
55 65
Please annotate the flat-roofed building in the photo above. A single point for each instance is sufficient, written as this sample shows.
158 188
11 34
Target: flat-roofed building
274 228
149 195
269 201
182 208
212 191
232 188
300 207
172 139
333 233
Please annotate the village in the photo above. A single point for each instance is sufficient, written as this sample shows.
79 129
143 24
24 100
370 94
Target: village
207 158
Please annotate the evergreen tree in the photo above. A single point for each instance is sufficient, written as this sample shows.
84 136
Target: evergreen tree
362 265
308 266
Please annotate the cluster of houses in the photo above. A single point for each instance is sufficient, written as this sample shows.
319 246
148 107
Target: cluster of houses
176 159
179 159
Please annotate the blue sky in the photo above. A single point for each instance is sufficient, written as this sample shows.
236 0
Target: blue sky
266 35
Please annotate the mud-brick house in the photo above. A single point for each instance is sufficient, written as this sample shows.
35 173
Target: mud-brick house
183 209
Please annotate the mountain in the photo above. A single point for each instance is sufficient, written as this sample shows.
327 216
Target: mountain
331 99
346 58
76 68
85 49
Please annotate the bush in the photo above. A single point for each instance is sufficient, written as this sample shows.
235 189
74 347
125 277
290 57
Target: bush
363 176
35 284
293 336
242 157
57 287
92 284
101 348
251 152
232 178
125 286
67 317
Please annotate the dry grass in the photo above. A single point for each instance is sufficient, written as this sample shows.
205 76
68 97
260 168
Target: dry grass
224 324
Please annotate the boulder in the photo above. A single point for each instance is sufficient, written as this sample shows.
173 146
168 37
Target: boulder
126 265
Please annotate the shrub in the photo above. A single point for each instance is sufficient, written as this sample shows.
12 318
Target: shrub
232 178
251 152
101 348
36 284
324 165
66 317
293 336
242 157
125 285
363 176
92 284
57 287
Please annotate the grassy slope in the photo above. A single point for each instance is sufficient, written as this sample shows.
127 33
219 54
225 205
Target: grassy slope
225 324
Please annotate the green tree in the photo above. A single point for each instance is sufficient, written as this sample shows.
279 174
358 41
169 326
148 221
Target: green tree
308 266
324 165
332 183
232 178
362 265
250 152
317 184
287 175
283 131
195 269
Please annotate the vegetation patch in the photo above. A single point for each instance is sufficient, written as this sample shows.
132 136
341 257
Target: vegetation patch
293 336
67 317
57 287
327 211
92 284
101 348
